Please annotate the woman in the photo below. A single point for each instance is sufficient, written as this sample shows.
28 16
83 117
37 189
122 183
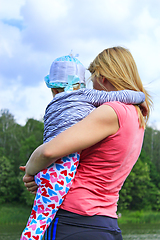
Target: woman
111 139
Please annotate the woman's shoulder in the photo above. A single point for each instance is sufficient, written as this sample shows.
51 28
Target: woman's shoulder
125 112
105 119
121 107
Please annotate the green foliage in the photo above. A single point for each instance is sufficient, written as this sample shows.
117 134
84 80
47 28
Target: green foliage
134 217
9 190
14 213
28 145
32 138
141 189
140 177
25 196
16 145
135 188
151 146
10 137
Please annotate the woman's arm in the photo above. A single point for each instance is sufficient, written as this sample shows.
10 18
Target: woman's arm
98 125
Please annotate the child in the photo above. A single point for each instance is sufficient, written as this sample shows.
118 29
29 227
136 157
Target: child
66 108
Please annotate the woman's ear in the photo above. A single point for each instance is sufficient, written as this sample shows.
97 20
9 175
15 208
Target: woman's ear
107 84
104 80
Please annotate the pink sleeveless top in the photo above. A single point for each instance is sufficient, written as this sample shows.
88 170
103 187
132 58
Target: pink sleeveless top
104 167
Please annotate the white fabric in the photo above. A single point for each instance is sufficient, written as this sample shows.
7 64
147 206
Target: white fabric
60 70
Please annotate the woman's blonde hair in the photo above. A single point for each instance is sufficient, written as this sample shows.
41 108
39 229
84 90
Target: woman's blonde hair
117 65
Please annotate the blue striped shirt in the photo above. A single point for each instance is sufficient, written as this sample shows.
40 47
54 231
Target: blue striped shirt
68 108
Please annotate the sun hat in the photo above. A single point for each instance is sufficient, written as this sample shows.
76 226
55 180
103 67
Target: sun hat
64 72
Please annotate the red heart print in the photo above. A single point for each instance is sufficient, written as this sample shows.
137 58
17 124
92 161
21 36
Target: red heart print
59 161
43 226
52 206
71 174
41 207
44 171
76 163
64 172
44 192
46 214
61 182
36 238
46 183
54 174
33 213
28 234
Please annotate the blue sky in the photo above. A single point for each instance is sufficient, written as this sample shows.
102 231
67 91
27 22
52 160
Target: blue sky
34 33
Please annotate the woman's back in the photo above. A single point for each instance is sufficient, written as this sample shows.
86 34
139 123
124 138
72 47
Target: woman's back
104 167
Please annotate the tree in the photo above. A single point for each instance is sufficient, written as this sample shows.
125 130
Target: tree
133 193
139 192
10 137
141 189
32 138
25 196
9 185
151 146
16 145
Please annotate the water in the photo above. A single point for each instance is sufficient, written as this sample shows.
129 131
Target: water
134 231
140 231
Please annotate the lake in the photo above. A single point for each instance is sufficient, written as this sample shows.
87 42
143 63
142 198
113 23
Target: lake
140 231
134 231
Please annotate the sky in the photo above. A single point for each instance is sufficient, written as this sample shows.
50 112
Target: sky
33 33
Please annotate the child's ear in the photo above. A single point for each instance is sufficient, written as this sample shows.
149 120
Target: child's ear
54 91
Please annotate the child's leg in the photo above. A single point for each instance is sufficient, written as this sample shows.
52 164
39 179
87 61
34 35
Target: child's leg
54 183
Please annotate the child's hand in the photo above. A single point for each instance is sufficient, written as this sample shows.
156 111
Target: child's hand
144 108
22 168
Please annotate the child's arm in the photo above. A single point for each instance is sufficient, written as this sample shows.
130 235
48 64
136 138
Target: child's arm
125 96
99 124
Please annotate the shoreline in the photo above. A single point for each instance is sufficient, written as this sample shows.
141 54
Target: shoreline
19 213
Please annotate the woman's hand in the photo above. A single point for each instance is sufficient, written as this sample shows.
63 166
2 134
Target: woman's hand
30 184
29 181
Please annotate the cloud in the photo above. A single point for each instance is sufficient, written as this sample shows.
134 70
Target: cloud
14 22
34 33
10 9
26 103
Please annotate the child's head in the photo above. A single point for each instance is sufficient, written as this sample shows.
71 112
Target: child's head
66 74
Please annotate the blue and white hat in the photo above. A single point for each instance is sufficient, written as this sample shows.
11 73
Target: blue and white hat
64 72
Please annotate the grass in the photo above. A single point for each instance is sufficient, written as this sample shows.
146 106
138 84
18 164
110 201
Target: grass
14 214
18 214
135 217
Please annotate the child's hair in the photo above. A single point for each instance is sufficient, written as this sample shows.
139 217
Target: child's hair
67 73
117 65
59 90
